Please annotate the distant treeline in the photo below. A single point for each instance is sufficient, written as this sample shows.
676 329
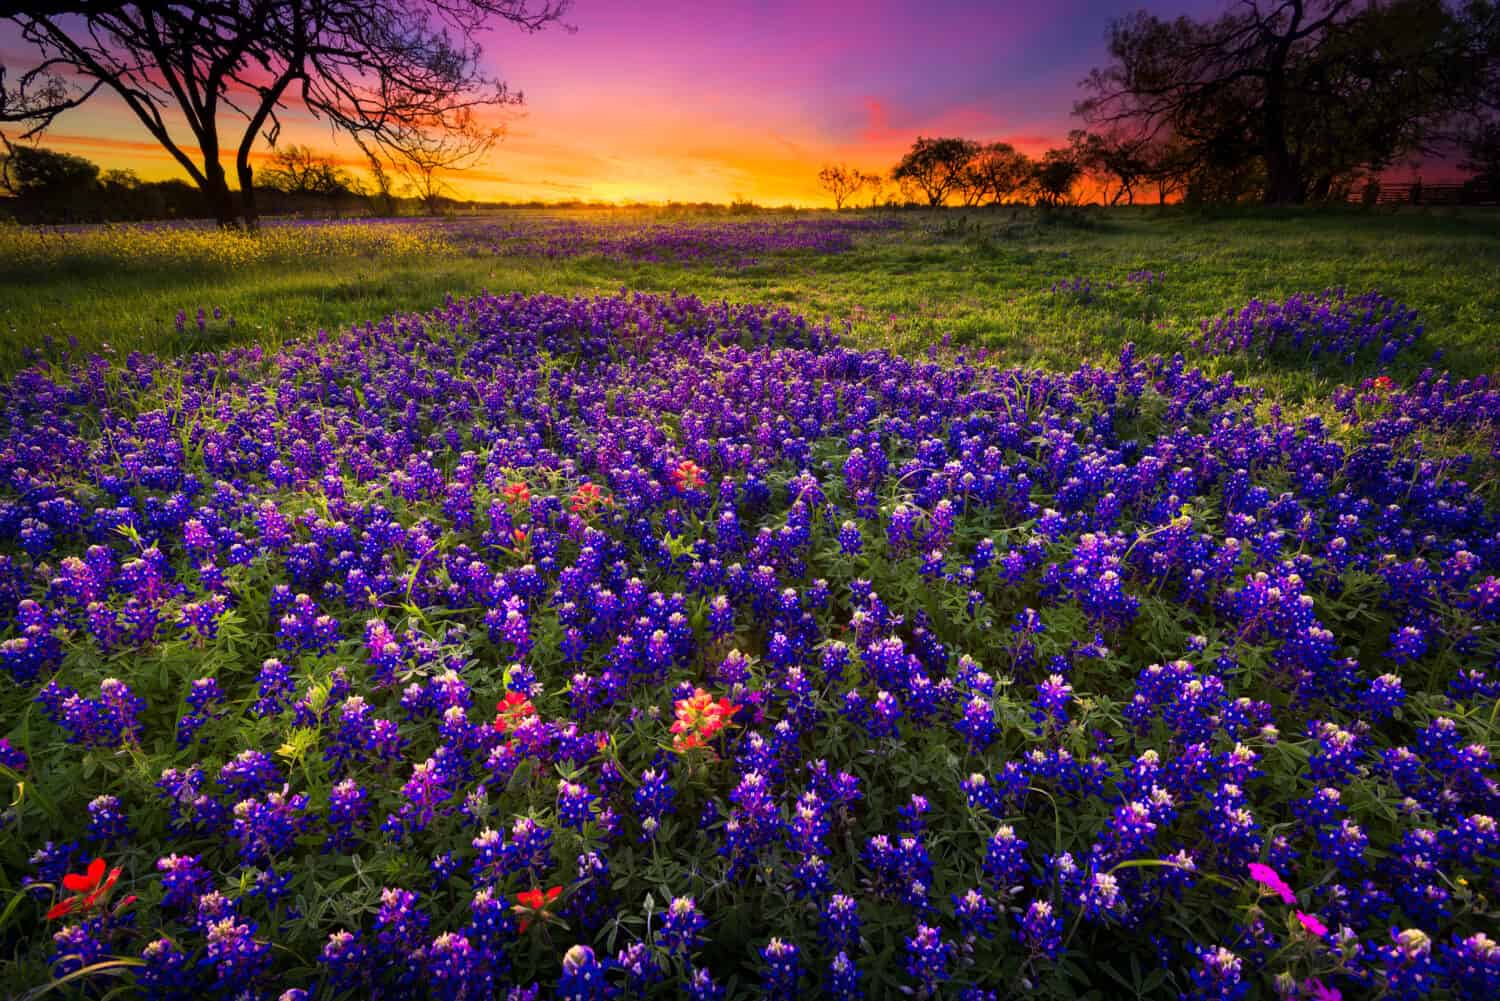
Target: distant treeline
41 185
1111 170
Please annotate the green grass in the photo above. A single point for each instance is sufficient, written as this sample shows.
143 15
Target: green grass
980 277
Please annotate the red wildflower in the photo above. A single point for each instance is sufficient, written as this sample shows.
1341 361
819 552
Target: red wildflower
534 903
512 711
688 475
587 497
516 493
1383 383
90 889
699 719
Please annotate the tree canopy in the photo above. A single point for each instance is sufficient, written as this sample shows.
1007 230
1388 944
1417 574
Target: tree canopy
38 174
1310 90
998 172
976 174
936 167
1054 176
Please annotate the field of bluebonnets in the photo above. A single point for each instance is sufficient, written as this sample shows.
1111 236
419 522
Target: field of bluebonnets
935 606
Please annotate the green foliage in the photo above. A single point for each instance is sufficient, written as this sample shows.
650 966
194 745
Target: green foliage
980 278
977 276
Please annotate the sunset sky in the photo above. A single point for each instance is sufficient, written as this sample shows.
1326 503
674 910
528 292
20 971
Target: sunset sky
709 101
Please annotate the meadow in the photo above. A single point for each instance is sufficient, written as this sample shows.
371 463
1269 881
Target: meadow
981 278
582 605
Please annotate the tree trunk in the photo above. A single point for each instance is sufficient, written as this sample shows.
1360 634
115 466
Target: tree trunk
1283 183
220 198
247 194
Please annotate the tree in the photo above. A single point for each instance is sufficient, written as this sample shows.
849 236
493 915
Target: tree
1397 80
841 182
1167 161
121 179
1115 162
48 186
997 172
382 199
1053 177
423 158
936 167
875 184
44 175
396 75
1309 88
297 170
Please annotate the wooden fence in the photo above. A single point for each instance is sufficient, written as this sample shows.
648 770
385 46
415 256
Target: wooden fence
1418 193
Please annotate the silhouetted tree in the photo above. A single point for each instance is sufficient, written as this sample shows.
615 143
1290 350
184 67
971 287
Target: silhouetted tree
43 175
382 198
120 179
1054 176
297 170
840 182
423 158
936 167
1167 162
970 186
997 172
1222 181
873 183
1309 88
1115 162
1398 80
397 75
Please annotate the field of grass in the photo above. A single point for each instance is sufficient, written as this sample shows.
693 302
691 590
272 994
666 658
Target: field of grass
826 606
980 278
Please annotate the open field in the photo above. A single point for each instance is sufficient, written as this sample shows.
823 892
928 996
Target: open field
825 606
979 277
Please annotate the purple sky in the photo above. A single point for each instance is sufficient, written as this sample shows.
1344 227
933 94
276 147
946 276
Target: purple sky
666 100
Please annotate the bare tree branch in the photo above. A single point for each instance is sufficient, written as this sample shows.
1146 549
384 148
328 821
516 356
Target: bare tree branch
841 182
402 77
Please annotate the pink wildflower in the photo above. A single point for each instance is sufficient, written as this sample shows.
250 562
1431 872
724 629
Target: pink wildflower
1268 877
1318 991
1312 923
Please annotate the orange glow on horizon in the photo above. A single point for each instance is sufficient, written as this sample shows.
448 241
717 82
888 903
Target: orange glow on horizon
524 167
668 100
